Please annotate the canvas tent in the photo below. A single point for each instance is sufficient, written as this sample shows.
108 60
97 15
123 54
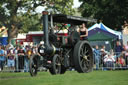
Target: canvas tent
101 26
102 35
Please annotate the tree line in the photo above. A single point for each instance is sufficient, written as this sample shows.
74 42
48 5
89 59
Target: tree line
21 16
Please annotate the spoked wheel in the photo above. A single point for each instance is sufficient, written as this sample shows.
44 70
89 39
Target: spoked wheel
83 57
56 65
33 66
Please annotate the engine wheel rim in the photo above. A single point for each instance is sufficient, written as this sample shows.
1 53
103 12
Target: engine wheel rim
84 57
57 65
34 67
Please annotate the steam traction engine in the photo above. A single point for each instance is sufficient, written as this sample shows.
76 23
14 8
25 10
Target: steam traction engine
63 51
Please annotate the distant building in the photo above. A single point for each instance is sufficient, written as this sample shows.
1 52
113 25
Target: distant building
34 37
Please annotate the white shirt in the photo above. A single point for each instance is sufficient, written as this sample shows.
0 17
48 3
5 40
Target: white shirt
109 58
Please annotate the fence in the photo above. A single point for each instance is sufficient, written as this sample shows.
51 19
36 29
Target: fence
119 61
112 61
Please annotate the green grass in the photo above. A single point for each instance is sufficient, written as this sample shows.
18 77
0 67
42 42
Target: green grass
69 78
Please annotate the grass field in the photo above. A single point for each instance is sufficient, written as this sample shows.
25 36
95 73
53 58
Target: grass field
69 78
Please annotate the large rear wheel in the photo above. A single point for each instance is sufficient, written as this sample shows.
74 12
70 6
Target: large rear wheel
83 57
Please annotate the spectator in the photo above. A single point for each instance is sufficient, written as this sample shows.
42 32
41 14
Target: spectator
126 47
125 27
83 32
97 56
27 56
118 49
35 50
16 57
5 53
126 54
11 59
109 61
103 48
2 58
103 53
21 54
120 61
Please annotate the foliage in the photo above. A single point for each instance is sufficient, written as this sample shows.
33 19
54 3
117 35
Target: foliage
30 23
61 6
20 14
111 12
14 13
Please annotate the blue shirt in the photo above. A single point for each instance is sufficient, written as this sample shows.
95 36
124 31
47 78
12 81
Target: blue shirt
118 48
97 53
2 58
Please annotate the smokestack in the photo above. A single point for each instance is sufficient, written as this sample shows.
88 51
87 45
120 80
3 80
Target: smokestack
45 28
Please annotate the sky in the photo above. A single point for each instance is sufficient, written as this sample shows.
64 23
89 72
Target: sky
76 5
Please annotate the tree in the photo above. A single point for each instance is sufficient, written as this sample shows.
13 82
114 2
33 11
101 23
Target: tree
20 14
11 10
61 6
111 12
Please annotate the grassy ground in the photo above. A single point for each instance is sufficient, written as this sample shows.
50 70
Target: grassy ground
69 78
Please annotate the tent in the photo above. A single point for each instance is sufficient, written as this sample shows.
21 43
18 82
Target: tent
107 29
100 37
99 33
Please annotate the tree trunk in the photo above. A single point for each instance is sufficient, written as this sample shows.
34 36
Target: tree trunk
12 33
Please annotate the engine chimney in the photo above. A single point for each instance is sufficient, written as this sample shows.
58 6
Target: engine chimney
49 49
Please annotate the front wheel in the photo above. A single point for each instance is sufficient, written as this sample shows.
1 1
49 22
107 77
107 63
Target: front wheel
83 57
56 65
33 65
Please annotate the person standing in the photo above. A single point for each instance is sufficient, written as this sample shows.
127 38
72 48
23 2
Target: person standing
27 56
11 59
125 28
126 54
2 58
103 54
16 57
118 49
97 56
83 32
21 54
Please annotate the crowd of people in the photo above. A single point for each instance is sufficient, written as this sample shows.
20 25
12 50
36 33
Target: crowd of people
116 58
16 58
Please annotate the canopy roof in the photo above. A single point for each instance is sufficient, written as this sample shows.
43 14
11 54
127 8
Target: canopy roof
101 26
100 35
75 20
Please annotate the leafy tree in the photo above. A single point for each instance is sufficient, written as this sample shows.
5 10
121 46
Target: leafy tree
61 6
20 14
111 12
13 11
